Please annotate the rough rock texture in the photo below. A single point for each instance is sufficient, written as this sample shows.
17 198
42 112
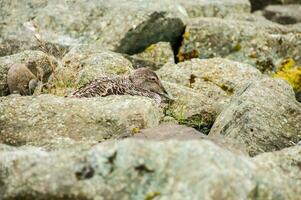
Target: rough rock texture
85 63
264 115
43 119
124 26
259 4
154 56
40 64
260 43
215 8
137 169
288 160
171 131
192 108
216 78
283 14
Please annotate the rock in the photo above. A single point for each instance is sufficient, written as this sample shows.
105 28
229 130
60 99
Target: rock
21 80
203 8
47 119
138 169
85 63
216 78
260 43
264 115
287 160
39 63
170 131
154 56
191 108
283 14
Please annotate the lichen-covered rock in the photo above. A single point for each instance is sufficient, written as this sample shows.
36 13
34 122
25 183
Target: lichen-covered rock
138 169
283 14
171 131
287 160
215 8
216 78
85 63
260 43
40 64
264 115
192 108
154 56
46 119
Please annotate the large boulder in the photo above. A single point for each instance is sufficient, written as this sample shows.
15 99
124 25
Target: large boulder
283 14
261 43
40 64
138 169
215 8
264 115
47 119
83 64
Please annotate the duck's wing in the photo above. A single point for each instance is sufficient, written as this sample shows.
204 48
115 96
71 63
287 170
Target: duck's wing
100 87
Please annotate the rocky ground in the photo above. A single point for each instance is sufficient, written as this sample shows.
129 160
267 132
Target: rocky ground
232 131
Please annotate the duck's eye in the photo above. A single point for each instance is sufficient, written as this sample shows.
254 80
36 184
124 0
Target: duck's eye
152 78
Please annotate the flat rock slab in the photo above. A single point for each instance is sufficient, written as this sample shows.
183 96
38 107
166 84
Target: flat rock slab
260 43
264 115
46 119
138 169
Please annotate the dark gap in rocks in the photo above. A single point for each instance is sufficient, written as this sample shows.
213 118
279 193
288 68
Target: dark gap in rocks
176 47
260 4
111 160
150 32
86 172
30 195
142 169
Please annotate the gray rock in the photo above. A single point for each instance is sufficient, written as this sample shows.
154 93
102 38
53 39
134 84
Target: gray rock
260 43
85 63
215 8
170 131
264 115
46 119
39 63
138 169
283 14
154 56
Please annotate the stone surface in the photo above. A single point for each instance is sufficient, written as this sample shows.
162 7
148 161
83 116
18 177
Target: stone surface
260 43
154 56
171 131
138 169
47 119
283 14
215 8
40 64
264 115
83 64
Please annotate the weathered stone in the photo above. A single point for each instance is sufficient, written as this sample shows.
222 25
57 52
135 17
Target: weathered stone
45 118
264 115
154 56
215 8
191 108
85 63
138 169
170 131
40 64
283 14
259 43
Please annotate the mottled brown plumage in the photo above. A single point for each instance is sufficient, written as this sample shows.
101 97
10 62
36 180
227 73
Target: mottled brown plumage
141 82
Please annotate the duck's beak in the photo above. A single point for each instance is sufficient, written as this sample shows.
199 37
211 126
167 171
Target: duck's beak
166 95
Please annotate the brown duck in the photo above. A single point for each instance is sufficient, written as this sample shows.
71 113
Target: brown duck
141 82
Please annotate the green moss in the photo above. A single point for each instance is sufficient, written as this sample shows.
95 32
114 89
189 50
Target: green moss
152 195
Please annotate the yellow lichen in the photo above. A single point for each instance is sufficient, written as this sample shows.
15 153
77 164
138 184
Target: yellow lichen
187 55
289 72
150 47
186 35
136 130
